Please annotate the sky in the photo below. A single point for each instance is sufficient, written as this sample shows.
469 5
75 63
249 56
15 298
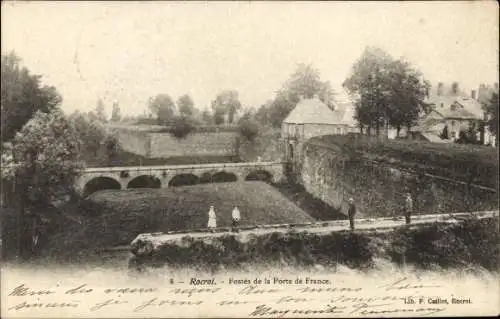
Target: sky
130 51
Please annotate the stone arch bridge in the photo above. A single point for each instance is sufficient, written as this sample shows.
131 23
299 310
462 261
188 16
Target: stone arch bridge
93 179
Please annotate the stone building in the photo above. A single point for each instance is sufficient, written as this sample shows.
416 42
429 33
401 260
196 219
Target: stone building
311 118
455 110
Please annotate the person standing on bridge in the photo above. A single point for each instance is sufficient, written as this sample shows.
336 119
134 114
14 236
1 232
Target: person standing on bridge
408 207
212 219
351 212
236 219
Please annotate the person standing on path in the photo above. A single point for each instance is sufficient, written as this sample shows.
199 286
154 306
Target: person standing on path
408 207
236 219
212 219
351 212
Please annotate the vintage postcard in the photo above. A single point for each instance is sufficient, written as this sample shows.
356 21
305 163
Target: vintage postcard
252 159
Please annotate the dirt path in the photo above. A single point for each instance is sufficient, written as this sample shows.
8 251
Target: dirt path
378 224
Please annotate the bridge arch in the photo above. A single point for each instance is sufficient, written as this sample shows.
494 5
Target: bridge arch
224 177
260 175
206 178
100 183
184 179
144 181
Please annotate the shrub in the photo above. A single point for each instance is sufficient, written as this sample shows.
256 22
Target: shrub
249 129
182 127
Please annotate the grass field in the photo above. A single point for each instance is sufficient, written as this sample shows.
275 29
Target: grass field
117 217
456 161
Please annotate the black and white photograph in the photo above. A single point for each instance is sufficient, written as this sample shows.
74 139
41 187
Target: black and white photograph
249 159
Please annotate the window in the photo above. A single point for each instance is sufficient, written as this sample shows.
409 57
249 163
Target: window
452 124
339 130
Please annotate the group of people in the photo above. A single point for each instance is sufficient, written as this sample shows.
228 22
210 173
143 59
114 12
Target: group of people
407 211
351 212
212 219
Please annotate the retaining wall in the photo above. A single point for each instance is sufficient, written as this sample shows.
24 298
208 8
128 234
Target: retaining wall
162 144
378 188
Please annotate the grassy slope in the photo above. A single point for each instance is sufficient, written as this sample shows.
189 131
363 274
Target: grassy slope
119 216
449 160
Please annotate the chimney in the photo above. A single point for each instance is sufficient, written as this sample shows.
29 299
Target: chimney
473 94
440 89
454 88
481 93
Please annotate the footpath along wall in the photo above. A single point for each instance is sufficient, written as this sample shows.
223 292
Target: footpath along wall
155 144
461 241
377 188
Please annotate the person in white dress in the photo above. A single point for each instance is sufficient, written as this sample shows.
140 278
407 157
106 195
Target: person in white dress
236 219
212 219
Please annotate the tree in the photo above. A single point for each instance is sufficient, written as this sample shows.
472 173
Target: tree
408 91
42 165
248 129
387 91
185 105
100 111
163 107
206 116
115 114
90 132
306 83
111 149
98 146
218 115
468 136
48 145
491 110
366 86
226 102
472 132
182 127
248 114
444 134
22 95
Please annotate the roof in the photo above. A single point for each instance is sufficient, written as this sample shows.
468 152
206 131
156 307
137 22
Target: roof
469 108
429 124
457 113
313 111
472 106
434 138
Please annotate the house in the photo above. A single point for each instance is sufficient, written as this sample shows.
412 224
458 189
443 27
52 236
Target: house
310 118
454 110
